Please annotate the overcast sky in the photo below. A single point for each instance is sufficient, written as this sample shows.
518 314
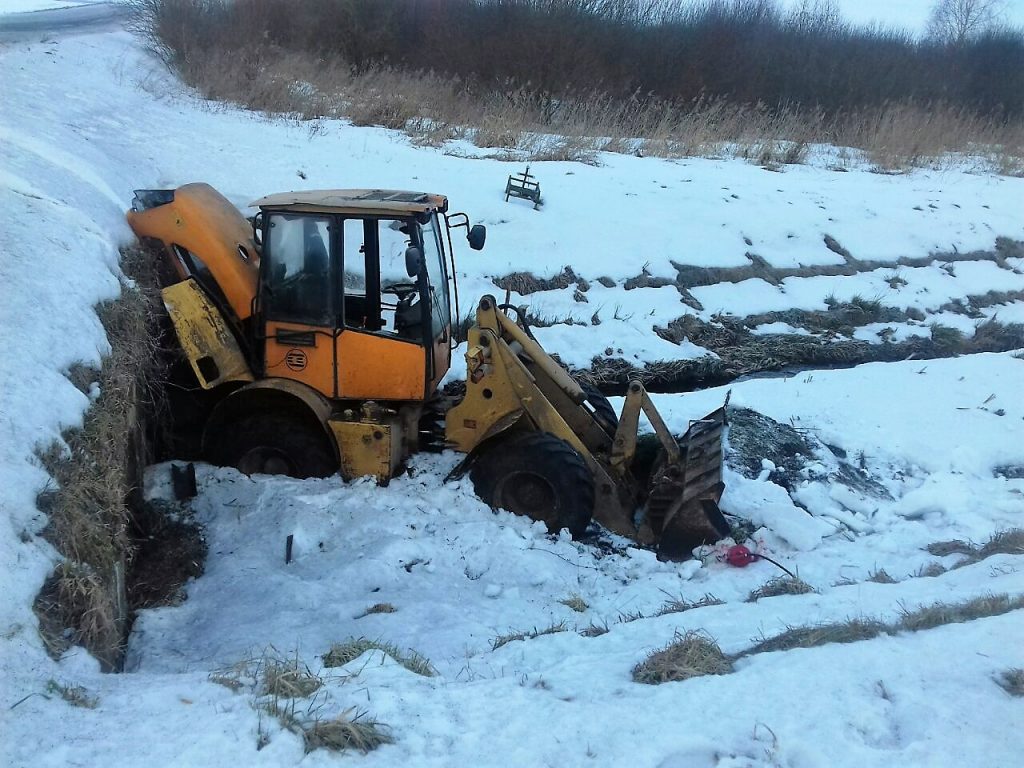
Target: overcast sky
911 15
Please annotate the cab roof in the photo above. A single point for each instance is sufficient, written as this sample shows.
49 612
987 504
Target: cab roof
360 201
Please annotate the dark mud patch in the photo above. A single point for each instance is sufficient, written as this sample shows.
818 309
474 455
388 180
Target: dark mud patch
170 550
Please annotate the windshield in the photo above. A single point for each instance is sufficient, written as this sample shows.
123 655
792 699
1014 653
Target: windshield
433 255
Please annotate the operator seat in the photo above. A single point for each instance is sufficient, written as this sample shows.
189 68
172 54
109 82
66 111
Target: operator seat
315 285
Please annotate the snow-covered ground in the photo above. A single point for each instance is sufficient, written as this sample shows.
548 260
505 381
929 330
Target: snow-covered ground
87 119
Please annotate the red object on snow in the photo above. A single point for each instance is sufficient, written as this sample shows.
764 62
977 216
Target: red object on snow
739 556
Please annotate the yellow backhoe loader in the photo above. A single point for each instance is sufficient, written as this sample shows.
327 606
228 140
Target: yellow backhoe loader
324 328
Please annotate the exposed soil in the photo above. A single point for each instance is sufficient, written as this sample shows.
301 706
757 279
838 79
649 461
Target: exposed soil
741 353
754 437
170 549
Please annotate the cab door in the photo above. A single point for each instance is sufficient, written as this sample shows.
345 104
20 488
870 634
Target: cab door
380 348
297 299
440 301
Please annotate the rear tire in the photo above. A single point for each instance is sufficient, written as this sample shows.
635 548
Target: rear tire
274 445
539 476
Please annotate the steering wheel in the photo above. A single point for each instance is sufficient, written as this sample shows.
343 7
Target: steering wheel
402 290
407 314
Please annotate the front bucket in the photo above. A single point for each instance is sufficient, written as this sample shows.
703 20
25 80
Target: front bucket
682 505
699 522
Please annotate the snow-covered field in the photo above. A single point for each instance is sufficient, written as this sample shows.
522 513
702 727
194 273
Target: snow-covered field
86 119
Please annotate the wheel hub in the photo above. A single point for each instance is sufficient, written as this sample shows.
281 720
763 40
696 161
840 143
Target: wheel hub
525 493
263 460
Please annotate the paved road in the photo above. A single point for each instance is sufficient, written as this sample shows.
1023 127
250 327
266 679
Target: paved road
39 25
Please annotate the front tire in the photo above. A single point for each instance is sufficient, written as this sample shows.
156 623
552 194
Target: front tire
539 476
274 445
603 410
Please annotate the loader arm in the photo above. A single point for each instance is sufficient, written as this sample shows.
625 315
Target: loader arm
513 385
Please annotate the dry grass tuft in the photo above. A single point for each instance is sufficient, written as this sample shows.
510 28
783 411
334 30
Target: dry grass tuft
1008 542
783 585
289 679
594 630
230 682
75 606
679 605
952 547
75 695
938 614
346 731
278 686
241 675
390 110
575 602
578 149
881 576
850 631
625 617
378 608
946 337
501 640
525 283
693 654
1012 681
931 570
497 131
341 654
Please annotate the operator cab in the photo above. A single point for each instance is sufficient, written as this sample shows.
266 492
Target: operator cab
351 277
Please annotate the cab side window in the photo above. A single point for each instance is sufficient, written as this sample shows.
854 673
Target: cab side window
298 263
380 299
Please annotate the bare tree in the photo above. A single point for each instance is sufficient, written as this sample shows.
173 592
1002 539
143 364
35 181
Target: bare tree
820 16
956 21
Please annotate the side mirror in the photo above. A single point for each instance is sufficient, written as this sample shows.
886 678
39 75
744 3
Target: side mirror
477 236
413 260
257 228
